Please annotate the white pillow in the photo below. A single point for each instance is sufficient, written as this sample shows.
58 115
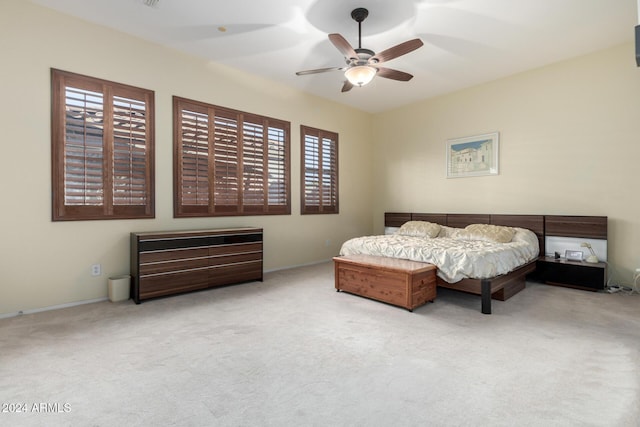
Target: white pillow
419 229
488 233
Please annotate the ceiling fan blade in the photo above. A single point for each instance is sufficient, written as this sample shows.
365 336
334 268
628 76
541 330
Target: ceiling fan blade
343 46
397 50
346 87
319 70
389 73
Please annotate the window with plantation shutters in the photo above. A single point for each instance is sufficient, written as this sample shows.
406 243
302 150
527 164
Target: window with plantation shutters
102 149
228 162
319 186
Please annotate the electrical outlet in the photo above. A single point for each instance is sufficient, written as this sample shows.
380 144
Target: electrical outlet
327 242
96 270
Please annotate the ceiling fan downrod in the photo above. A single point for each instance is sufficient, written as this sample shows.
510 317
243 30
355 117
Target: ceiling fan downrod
359 15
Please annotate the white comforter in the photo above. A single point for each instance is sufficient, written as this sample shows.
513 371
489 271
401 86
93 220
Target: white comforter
456 259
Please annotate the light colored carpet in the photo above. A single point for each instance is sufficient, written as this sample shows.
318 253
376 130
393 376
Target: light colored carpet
291 351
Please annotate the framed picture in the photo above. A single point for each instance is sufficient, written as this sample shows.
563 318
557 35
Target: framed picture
473 155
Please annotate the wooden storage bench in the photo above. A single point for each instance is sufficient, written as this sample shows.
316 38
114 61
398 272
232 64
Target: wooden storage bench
400 282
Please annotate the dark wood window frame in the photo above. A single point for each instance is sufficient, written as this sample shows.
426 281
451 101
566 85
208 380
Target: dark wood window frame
319 171
102 143
229 162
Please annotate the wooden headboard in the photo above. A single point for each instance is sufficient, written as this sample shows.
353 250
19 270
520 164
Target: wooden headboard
588 227
594 227
535 223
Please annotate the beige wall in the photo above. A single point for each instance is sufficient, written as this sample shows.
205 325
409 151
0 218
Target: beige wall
43 263
569 144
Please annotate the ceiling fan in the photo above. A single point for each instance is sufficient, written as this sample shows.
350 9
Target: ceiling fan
362 64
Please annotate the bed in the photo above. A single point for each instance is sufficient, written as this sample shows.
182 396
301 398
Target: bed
494 278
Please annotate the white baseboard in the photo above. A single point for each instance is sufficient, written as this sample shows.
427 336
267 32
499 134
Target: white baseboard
53 307
90 301
289 267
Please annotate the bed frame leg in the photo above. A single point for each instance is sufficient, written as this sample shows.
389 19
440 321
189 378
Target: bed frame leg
486 296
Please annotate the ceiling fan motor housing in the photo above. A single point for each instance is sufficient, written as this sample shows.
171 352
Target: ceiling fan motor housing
364 57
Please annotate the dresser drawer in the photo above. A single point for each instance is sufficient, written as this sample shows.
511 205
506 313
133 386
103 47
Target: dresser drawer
235 249
173 282
173 265
234 258
172 255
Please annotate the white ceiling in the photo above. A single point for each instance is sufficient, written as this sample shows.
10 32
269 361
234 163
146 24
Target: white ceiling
466 42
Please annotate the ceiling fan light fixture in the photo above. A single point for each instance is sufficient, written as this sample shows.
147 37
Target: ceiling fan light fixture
360 75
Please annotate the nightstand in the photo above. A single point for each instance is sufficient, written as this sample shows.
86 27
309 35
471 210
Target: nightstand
573 274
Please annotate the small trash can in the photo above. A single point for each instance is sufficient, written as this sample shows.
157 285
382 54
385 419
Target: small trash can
119 288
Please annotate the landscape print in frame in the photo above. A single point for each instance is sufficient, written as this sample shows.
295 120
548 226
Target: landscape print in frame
473 155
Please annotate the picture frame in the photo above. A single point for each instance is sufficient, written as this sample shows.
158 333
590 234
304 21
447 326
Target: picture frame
473 155
573 255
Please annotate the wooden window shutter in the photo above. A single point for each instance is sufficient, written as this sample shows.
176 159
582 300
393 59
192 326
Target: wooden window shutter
195 158
241 159
130 150
319 175
102 149
278 168
227 156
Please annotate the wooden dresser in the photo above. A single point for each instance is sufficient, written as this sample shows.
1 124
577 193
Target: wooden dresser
166 263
